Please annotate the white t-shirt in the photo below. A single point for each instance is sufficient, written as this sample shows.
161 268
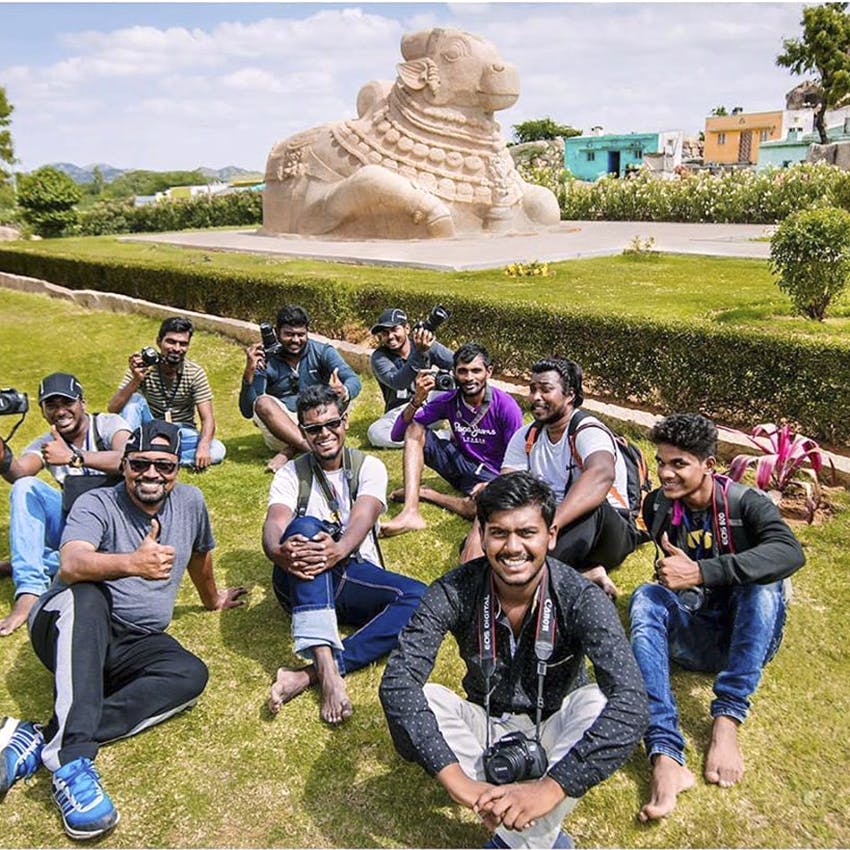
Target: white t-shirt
552 462
372 482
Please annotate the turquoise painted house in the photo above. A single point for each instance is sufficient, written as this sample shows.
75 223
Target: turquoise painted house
794 147
591 157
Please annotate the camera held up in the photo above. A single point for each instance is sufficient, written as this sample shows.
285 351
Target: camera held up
150 356
514 758
434 319
271 344
13 401
444 380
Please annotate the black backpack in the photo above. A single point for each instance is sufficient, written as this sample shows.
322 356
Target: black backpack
75 485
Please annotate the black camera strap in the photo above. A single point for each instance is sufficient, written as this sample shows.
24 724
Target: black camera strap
482 408
544 643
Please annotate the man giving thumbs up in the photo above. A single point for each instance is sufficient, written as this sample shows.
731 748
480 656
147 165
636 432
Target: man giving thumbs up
101 628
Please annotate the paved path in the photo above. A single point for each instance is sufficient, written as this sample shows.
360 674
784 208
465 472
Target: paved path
565 241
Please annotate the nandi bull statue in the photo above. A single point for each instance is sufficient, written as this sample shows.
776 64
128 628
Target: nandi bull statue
424 157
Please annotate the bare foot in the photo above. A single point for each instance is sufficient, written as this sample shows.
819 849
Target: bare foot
404 522
18 615
336 706
277 462
5 569
288 684
667 781
599 576
724 764
397 495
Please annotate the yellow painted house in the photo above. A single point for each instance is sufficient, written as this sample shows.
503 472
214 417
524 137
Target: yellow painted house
735 139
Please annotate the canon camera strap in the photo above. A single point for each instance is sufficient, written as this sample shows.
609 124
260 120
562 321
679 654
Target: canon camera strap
482 408
544 643
721 518
329 492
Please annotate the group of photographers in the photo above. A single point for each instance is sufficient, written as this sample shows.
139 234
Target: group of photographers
529 604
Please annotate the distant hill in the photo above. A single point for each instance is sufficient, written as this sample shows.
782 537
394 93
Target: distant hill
85 173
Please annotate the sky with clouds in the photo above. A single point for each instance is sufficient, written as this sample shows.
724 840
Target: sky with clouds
180 85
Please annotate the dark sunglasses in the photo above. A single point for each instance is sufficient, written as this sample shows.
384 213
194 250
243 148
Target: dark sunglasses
331 425
166 467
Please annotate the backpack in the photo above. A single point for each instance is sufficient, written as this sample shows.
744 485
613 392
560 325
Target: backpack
638 480
352 462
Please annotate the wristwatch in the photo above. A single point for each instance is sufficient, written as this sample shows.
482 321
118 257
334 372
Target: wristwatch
76 461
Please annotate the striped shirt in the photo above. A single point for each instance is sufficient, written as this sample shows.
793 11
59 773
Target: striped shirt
192 389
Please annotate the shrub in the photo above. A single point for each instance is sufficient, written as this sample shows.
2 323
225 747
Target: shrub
810 254
741 196
655 364
47 198
234 210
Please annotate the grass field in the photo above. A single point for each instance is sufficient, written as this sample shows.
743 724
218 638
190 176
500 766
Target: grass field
725 291
227 774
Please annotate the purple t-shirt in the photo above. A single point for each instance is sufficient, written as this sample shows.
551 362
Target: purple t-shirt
486 443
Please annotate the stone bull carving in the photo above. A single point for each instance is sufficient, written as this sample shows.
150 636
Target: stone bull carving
424 157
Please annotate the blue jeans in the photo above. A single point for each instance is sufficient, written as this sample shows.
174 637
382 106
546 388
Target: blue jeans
447 460
735 633
136 412
35 529
356 593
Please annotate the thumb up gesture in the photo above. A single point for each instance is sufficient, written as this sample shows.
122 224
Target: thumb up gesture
153 561
338 386
56 451
675 569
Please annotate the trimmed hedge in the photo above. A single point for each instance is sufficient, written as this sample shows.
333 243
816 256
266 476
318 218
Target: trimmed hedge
737 378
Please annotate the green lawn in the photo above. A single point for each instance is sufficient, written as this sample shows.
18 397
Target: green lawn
227 774
728 291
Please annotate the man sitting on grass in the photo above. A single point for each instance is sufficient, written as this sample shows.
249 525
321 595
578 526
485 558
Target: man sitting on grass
482 419
80 451
524 624
320 533
101 628
718 604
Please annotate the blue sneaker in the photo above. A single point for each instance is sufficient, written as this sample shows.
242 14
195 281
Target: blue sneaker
20 752
86 808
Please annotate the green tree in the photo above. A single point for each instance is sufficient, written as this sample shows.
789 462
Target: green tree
47 198
810 254
7 150
823 48
719 111
542 128
140 182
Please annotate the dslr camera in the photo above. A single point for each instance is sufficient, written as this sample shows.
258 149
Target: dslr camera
12 402
271 344
434 319
150 356
514 758
444 380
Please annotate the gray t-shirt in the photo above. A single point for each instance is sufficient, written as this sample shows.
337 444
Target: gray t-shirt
112 523
108 425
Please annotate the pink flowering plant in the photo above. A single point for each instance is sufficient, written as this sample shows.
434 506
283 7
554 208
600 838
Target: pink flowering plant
787 460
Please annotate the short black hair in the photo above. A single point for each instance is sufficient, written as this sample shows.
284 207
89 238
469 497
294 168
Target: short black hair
292 315
319 395
175 324
469 351
570 373
516 490
689 432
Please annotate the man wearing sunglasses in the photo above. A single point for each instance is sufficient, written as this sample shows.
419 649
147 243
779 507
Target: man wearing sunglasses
273 379
80 450
101 628
320 534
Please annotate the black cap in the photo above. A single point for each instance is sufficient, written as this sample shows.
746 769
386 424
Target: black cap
141 440
59 383
389 319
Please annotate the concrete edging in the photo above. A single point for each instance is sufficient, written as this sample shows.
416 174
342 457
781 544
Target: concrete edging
731 442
